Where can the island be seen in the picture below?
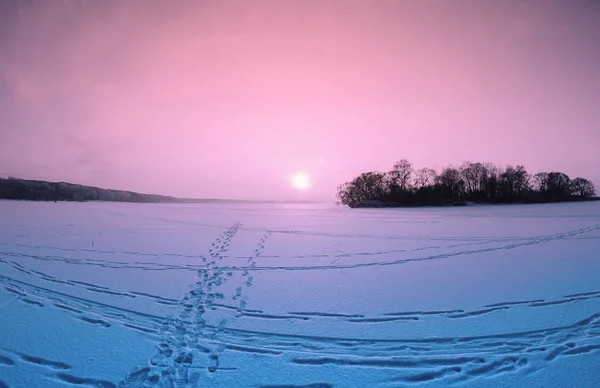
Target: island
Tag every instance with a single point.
(469, 183)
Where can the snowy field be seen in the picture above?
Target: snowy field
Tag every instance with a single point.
(313, 296)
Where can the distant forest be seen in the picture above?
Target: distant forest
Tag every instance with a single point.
(472, 182)
(33, 190)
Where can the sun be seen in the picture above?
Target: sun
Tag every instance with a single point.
(300, 181)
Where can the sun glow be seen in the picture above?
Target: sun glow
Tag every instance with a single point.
(300, 181)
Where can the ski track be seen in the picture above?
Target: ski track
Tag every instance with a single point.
(190, 345)
(149, 266)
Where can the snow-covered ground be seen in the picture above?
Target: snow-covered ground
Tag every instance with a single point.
(132, 295)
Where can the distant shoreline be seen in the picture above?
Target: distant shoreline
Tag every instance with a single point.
(376, 204)
(17, 189)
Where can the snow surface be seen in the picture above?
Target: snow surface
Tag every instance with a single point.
(314, 296)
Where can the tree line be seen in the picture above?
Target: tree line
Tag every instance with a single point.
(34, 190)
(479, 182)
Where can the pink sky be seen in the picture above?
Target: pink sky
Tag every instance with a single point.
(228, 98)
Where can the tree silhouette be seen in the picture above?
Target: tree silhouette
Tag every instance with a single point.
(424, 177)
(581, 187)
(400, 175)
(541, 182)
(476, 182)
(450, 182)
(559, 185)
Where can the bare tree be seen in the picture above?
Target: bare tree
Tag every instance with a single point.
(581, 187)
(514, 181)
(491, 181)
(450, 182)
(522, 180)
(400, 174)
(424, 177)
(475, 177)
(366, 187)
(541, 182)
(559, 185)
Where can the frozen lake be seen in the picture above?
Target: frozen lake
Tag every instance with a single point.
(313, 296)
